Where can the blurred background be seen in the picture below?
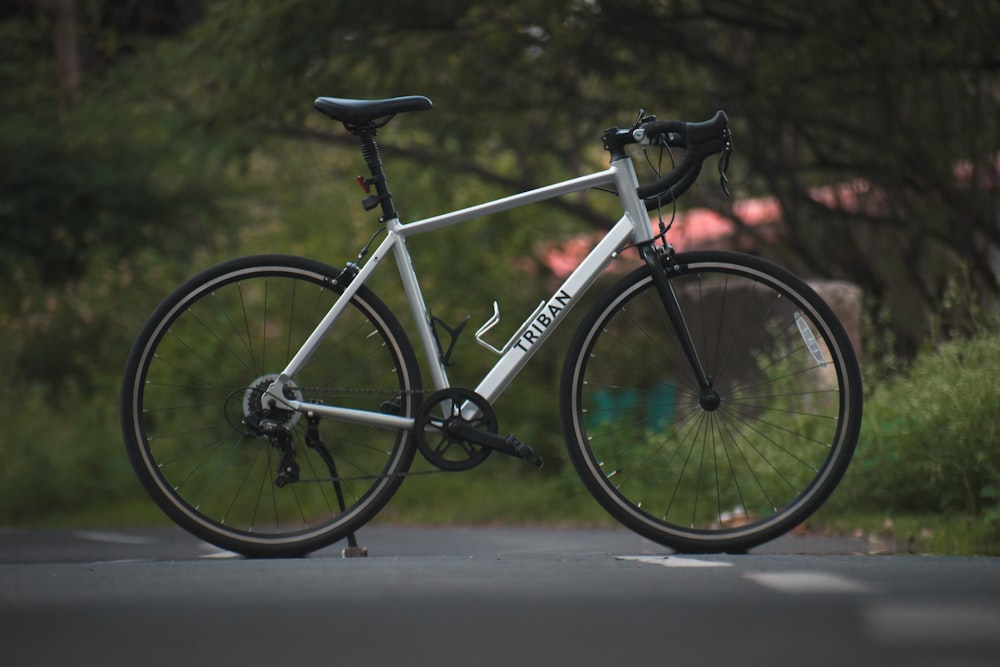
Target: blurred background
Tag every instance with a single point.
(143, 141)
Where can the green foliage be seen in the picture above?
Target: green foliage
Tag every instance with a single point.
(194, 140)
(63, 203)
(501, 490)
(931, 440)
(62, 455)
(23, 70)
(75, 185)
(63, 354)
(826, 93)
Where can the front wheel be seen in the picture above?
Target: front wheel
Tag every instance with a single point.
(727, 469)
(267, 482)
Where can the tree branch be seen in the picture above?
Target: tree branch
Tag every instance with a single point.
(585, 213)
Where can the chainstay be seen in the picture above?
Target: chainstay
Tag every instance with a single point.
(371, 392)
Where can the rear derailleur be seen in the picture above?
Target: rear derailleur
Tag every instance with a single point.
(281, 439)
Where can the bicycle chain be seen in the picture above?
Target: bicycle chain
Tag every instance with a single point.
(358, 478)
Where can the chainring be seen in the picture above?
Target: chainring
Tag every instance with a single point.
(437, 414)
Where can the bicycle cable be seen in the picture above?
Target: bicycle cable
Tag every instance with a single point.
(368, 246)
(664, 228)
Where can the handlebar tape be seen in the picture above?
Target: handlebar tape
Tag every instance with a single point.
(700, 141)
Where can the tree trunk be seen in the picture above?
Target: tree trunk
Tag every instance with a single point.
(67, 51)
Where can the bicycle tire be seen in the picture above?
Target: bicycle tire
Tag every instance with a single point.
(200, 365)
(726, 477)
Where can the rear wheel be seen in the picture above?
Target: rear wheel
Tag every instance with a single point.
(266, 482)
(733, 467)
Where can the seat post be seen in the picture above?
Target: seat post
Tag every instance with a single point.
(373, 158)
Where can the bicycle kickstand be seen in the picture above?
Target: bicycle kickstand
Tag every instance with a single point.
(352, 550)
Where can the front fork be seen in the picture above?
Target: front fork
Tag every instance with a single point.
(653, 260)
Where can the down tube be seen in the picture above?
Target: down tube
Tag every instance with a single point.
(555, 309)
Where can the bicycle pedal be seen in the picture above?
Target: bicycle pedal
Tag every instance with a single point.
(354, 552)
(509, 444)
(524, 451)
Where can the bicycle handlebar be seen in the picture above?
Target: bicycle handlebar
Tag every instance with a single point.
(700, 140)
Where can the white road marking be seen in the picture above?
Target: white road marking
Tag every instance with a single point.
(783, 582)
(675, 561)
(807, 582)
(220, 554)
(112, 538)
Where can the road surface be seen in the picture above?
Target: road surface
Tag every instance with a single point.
(488, 596)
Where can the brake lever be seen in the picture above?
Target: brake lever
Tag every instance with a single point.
(724, 157)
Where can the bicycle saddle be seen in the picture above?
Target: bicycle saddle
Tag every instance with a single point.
(360, 112)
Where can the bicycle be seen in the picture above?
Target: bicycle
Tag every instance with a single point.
(709, 400)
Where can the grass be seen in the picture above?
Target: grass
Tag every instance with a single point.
(507, 492)
(921, 534)
(506, 497)
(925, 477)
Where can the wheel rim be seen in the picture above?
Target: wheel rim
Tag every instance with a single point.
(200, 371)
(740, 462)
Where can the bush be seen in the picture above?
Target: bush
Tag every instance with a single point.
(63, 354)
(63, 456)
(931, 442)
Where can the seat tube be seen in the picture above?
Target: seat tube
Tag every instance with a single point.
(418, 308)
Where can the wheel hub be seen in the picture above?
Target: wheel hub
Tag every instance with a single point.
(710, 400)
(254, 413)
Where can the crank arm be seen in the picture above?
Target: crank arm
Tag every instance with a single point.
(508, 444)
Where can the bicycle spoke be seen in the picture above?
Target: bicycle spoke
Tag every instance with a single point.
(720, 474)
(215, 457)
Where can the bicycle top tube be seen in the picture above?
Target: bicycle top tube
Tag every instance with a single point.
(619, 174)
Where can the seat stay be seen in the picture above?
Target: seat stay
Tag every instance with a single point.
(275, 393)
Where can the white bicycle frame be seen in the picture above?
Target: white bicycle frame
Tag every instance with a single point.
(634, 226)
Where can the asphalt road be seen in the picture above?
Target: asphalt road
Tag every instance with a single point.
(488, 596)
